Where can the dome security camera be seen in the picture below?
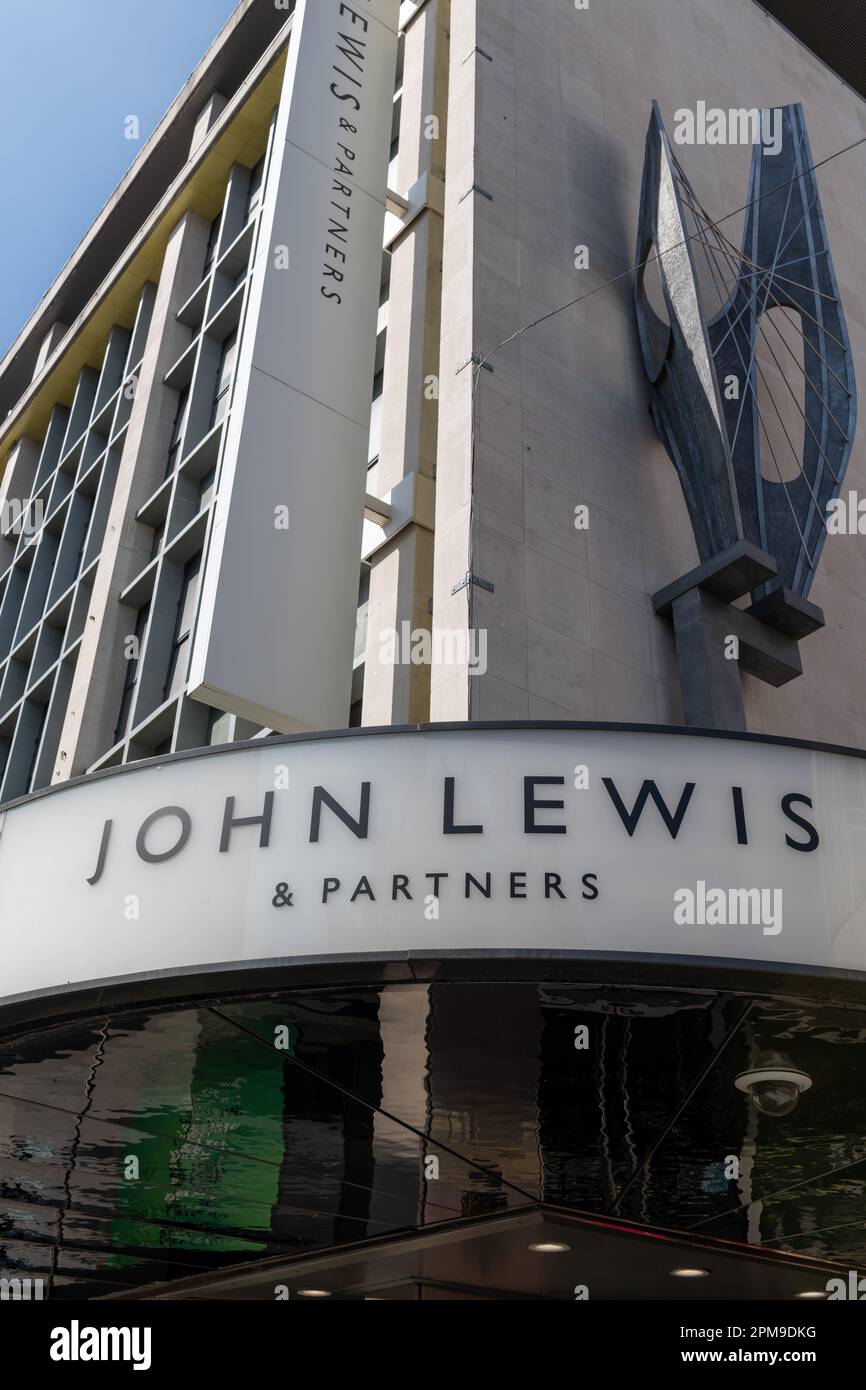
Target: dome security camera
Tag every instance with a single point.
(773, 1084)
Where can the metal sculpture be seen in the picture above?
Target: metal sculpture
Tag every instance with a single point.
(755, 534)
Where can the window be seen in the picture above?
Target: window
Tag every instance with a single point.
(85, 527)
(393, 162)
(158, 533)
(362, 615)
(385, 282)
(186, 606)
(225, 373)
(132, 667)
(401, 62)
(212, 240)
(376, 417)
(254, 197)
(219, 727)
(177, 431)
(206, 489)
(40, 726)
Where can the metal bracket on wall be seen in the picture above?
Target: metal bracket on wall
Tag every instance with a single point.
(476, 188)
(474, 360)
(473, 579)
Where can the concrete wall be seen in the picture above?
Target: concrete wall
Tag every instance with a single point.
(401, 576)
(546, 126)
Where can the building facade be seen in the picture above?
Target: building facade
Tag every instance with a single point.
(341, 437)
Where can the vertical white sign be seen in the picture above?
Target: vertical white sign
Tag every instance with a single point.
(274, 634)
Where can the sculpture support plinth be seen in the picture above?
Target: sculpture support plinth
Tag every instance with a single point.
(702, 608)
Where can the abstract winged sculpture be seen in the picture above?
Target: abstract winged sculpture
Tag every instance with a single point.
(757, 509)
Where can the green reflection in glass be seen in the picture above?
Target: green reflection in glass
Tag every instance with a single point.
(217, 1103)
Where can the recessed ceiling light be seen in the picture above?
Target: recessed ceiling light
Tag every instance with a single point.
(314, 1293)
(812, 1293)
(687, 1272)
(549, 1247)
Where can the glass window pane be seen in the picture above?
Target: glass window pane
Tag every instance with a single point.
(178, 668)
(131, 679)
(177, 429)
(212, 244)
(189, 598)
(254, 196)
(206, 489)
(224, 377)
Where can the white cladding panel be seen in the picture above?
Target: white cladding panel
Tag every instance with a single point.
(274, 636)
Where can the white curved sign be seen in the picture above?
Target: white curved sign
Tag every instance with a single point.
(505, 839)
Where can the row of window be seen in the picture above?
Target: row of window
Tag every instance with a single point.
(179, 653)
(178, 662)
(219, 404)
(254, 198)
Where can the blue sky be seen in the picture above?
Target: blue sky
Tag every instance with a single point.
(73, 70)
